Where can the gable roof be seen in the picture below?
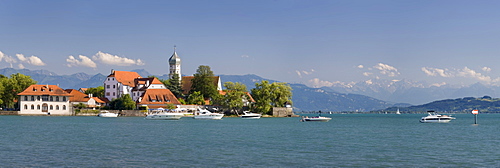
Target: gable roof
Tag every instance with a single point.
(158, 97)
(51, 90)
(187, 83)
(77, 96)
(125, 77)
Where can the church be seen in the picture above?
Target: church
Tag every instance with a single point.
(149, 92)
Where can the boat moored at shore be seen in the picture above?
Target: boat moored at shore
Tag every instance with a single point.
(250, 115)
(106, 113)
(203, 114)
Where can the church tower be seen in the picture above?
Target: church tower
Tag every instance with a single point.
(175, 65)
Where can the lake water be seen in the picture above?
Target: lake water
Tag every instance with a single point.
(348, 140)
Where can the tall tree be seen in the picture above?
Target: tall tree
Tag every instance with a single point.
(268, 95)
(174, 85)
(3, 80)
(195, 98)
(203, 82)
(96, 92)
(13, 86)
(235, 94)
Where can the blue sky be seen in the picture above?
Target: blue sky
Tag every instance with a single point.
(317, 43)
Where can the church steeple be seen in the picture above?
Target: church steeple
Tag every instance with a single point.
(175, 65)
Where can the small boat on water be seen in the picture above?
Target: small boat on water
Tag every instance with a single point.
(315, 118)
(436, 118)
(397, 112)
(250, 115)
(203, 114)
(106, 113)
(164, 116)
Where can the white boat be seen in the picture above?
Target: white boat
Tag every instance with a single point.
(315, 118)
(107, 114)
(164, 116)
(397, 112)
(250, 115)
(203, 114)
(436, 118)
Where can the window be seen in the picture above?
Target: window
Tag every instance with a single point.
(113, 93)
(64, 98)
(57, 98)
(64, 107)
(51, 98)
(38, 107)
(44, 107)
(25, 107)
(114, 86)
(25, 98)
(32, 107)
(51, 107)
(32, 98)
(107, 93)
(107, 86)
(38, 98)
(45, 97)
(57, 107)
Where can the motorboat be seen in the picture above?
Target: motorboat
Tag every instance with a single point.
(250, 115)
(107, 114)
(436, 118)
(315, 118)
(203, 114)
(164, 116)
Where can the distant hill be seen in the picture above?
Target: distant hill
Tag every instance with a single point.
(484, 104)
(74, 81)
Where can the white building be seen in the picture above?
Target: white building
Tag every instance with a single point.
(119, 83)
(44, 100)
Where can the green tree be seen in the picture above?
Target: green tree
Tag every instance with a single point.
(268, 95)
(80, 106)
(203, 82)
(96, 92)
(174, 85)
(196, 98)
(235, 94)
(3, 80)
(124, 102)
(13, 86)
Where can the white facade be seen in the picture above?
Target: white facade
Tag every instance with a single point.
(44, 105)
(175, 65)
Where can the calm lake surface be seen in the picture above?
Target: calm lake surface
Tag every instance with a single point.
(348, 140)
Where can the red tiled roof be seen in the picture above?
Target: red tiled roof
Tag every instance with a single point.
(158, 97)
(77, 96)
(125, 77)
(51, 90)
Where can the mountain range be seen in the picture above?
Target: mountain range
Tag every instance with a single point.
(362, 96)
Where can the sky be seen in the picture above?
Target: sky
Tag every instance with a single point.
(312, 42)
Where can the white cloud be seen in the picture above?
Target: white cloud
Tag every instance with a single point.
(245, 56)
(317, 83)
(360, 66)
(1, 56)
(298, 73)
(367, 73)
(437, 72)
(486, 69)
(33, 60)
(387, 69)
(466, 72)
(21, 66)
(84, 61)
(115, 60)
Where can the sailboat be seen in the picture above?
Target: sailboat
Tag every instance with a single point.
(397, 112)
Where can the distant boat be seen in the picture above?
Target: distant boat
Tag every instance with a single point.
(397, 112)
(436, 118)
(316, 118)
(164, 116)
(250, 115)
(207, 115)
(106, 113)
